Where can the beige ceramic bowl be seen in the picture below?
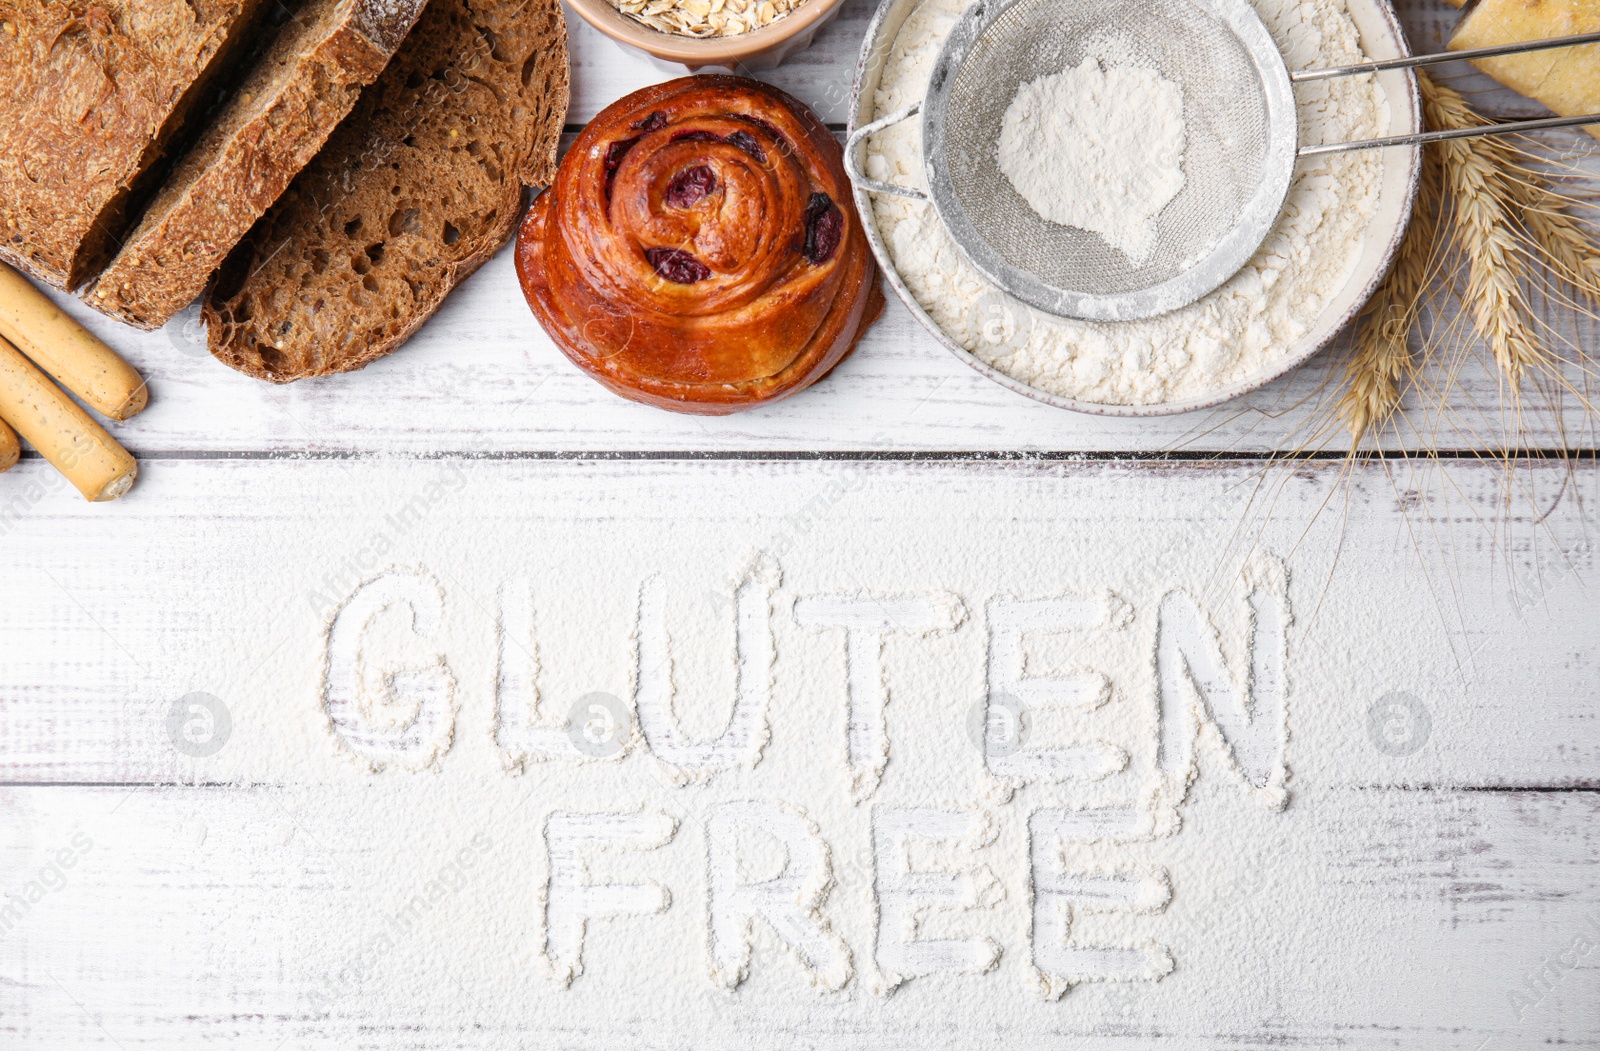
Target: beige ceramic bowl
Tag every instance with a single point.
(747, 52)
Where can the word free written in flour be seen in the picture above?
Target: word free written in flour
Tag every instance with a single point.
(824, 782)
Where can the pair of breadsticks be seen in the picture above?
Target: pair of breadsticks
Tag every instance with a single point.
(32, 327)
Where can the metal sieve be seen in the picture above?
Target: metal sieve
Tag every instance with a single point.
(1242, 139)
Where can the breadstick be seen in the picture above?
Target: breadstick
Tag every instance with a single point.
(10, 448)
(67, 350)
(62, 432)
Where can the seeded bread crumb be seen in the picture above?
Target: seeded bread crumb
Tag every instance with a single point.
(91, 96)
(419, 186)
(273, 126)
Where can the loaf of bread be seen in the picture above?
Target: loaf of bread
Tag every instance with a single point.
(700, 250)
(419, 186)
(271, 127)
(1565, 79)
(92, 94)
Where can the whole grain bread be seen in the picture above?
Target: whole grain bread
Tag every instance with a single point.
(92, 94)
(419, 186)
(271, 127)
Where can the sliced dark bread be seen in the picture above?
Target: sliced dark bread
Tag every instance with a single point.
(419, 186)
(92, 94)
(273, 125)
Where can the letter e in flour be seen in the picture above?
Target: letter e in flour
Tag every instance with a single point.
(1058, 893)
(906, 895)
(1013, 694)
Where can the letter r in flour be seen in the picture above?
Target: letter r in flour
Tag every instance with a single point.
(790, 902)
(571, 900)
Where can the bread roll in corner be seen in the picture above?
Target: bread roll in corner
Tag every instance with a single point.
(1565, 79)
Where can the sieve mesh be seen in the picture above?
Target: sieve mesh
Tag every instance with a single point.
(1228, 160)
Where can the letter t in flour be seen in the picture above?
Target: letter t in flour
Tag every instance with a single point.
(866, 621)
(571, 900)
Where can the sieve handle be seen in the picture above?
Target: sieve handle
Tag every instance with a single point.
(1504, 128)
(1468, 54)
(852, 155)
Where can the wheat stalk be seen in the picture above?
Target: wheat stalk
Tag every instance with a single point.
(1567, 246)
(1382, 354)
(1486, 213)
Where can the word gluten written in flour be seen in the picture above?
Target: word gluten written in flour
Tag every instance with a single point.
(405, 717)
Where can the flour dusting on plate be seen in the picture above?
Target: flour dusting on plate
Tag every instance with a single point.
(1246, 328)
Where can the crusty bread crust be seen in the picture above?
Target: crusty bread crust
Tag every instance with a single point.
(419, 186)
(273, 126)
(93, 93)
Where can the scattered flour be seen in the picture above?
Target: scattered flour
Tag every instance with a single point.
(1099, 149)
(732, 756)
(1248, 326)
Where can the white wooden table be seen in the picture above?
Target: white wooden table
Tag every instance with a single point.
(1429, 885)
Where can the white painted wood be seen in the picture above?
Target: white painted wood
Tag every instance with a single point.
(1399, 900)
(482, 377)
(197, 919)
(213, 573)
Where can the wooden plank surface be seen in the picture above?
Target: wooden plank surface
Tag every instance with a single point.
(1427, 885)
(1420, 871)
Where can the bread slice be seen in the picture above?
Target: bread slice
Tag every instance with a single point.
(1565, 79)
(272, 126)
(416, 189)
(92, 94)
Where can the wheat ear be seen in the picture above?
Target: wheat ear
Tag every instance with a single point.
(1484, 214)
(1382, 354)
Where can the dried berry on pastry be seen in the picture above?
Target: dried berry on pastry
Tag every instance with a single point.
(699, 250)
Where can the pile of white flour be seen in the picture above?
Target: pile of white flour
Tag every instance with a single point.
(1246, 327)
(1098, 148)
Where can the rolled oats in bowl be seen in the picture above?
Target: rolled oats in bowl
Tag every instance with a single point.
(706, 18)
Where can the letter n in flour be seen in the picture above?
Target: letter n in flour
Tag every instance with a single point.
(1194, 686)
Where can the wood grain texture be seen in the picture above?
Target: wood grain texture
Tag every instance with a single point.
(1406, 898)
(227, 565)
(1401, 900)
